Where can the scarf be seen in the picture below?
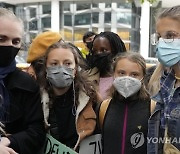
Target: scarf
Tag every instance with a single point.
(4, 95)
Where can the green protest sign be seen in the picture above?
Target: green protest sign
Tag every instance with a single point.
(52, 146)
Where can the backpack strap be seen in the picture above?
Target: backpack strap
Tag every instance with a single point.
(102, 111)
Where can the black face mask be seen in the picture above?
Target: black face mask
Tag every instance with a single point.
(7, 55)
(89, 45)
(102, 62)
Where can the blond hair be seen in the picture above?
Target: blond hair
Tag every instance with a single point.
(172, 12)
(154, 82)
(10, 15)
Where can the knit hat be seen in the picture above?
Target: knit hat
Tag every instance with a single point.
(41, 43)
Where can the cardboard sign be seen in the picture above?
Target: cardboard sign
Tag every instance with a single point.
(91, 145)
(52, 146)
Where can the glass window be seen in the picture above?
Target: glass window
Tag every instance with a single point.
(83, 6)
(83, 19)
(107, 17)
(124, 18)
(108, 5)
(33, 25)
(94, 5)
(66, 6)
(135, 21)
(47, 8)
(124, 5)
(67, 20)
(46, 22)
(95, 17)
(32, 12)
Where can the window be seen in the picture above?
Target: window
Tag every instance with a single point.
(67, 20)
(94, 5)
(46, 22)
(95, 17)
(108, 5)
(83, 6)
(33, 25)
(32, 12)
(83, 19)
(107, 17)
(124, 18)
(124, 5)
(46, 8)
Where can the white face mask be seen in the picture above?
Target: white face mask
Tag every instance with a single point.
(127, 86)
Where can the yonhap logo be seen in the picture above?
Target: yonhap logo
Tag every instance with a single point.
(137, 140)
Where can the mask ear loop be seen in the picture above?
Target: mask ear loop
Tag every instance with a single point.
(74, 108)
(141, 79)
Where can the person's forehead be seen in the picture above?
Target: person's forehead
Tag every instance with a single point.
(130, 66)
(61, 54)
(10, 28)
(102, 39)
(167, 24)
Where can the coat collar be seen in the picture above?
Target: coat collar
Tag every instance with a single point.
(83, 100)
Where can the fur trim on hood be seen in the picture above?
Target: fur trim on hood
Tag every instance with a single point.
(83, 100)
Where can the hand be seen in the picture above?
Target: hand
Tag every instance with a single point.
(6, 150)
(5, 141)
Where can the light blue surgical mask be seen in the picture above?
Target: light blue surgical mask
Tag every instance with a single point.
(168, 54)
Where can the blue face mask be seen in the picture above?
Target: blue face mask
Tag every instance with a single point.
(168, 54)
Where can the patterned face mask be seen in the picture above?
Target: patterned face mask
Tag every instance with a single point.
(60, 76)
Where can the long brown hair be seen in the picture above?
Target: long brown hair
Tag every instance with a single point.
(81, 80)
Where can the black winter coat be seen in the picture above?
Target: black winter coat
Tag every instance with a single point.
(25, 121)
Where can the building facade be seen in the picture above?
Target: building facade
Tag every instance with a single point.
(73, 18)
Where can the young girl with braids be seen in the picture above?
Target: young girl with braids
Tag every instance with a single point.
(106, 46)
(124, 116)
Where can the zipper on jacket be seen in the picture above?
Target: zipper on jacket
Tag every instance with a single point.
(124, 130)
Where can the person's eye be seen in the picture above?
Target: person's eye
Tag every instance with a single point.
(120, 73)
(53, 64)
(16, 41)
(67, 63)
(2, 39)
(134, 75)
(170, 35)
(104, 50)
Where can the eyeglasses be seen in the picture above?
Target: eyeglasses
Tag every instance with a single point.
(167, 37)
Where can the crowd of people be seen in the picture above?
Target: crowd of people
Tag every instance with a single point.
(73, 94)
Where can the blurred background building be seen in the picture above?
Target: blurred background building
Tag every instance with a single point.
(133, 21)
